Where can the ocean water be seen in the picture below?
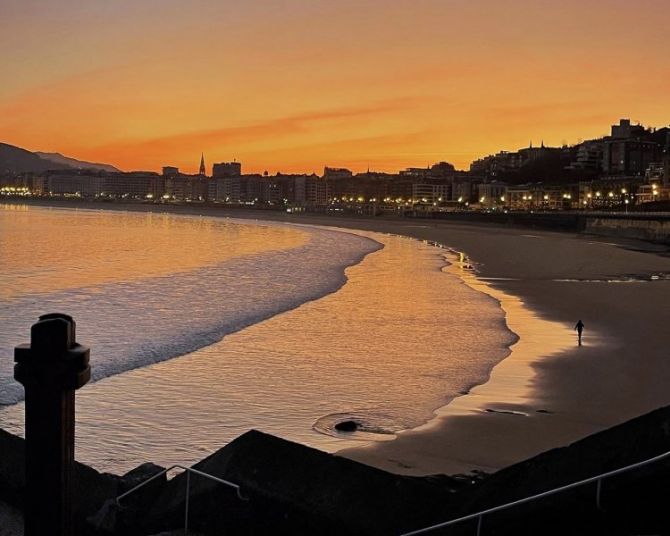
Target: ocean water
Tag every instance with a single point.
(202, 328)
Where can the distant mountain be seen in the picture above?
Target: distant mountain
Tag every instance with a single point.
(72, 162)
(17, 160)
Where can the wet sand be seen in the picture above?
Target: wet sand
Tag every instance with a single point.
(549, 392)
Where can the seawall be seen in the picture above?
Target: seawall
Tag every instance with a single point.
(650, 229)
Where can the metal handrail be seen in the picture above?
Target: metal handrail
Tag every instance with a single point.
(188, 471)
(598, 479)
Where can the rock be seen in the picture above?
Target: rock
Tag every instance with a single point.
(115, 519)
(90, 488)
(294, 489)
(631, 503)
(346, 426)
(11, 520)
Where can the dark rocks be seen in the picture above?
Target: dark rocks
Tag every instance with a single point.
(293, 489)
(631, 503)
(346, 426)
(126, 517)
(140, 474)
(90, 488)
(12, 475)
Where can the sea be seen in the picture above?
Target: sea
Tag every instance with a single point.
(202, 328)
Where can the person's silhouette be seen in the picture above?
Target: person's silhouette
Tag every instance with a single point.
(579, 326)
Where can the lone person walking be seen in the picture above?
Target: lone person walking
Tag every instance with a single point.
(579, 326)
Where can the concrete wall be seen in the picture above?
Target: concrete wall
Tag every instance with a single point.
(652, 230)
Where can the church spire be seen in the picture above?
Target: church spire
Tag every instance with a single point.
(203, 171)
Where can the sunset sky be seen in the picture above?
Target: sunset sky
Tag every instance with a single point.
(296, 85)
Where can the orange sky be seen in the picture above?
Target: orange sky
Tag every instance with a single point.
(284, 85)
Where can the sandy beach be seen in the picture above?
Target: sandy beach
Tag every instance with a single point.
(549, 392)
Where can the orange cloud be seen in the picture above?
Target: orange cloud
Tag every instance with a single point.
(281, 85)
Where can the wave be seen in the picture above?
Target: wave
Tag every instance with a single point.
(133, 324)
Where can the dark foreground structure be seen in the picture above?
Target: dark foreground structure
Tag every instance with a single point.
(50, 368)
(261, 484)
(293, 489)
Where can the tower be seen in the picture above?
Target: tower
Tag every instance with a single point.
(202, 172)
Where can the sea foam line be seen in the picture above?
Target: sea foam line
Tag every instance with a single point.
(196, 309)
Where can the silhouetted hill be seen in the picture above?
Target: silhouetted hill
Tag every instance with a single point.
(16, 160)
(73, 162)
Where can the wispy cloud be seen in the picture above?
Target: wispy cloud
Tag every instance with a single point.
(300, 123)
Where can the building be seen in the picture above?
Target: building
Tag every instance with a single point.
(463, 191)
(491, 194)
(400, 188)
(293, 188)
(133, 185)
(170, 170)
(522, 197)
(629, 157)
(431, 194)
(625, 131)
(608, 193)
(202, 171)
(336, 173)
(74, 183)
(650, 192)
(226, 169)
(226, 189)
(186, 188)
(629, 150)
(415, 173)
(542, 197)
(317, 191)
(589, 157)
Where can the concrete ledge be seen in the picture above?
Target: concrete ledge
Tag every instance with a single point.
(651, 230)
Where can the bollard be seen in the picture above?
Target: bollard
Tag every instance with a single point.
(50, 368)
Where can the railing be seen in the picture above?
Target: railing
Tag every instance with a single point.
(188, 471)
(479, 516)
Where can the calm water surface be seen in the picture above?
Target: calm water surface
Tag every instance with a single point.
(286, 329)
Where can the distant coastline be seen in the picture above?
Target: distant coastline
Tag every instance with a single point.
(647, 226)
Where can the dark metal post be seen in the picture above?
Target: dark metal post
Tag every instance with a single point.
(50, 368)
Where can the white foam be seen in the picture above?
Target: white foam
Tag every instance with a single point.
(136, 323)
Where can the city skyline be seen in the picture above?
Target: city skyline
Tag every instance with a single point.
(295, 86)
